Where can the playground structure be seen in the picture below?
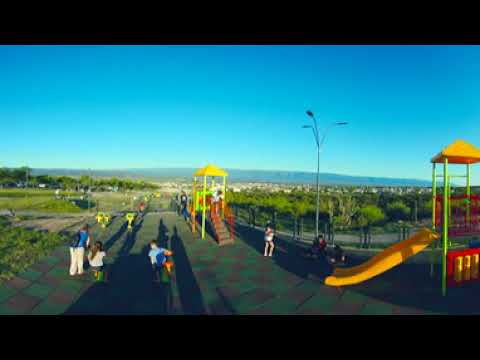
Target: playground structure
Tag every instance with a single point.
(456, 215)
(452, 215)
(202, 202)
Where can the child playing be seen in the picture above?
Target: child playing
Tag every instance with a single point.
(158, 258)
(269, 234)
(95, 259)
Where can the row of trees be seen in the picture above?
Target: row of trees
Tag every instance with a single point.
(12, 177)
(348, 211)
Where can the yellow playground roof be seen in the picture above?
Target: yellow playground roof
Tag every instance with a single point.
(210, 170)
(460, 152)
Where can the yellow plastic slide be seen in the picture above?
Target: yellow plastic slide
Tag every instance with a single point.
(387, 259)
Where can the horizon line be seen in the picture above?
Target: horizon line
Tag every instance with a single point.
(240, 169)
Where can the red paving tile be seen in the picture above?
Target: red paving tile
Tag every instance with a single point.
(342, 308)
(49, 280)
(219, 308)
(61, 297)
(298, 295)
(309, 312)
(18, 283)
(42, 267)
(23, 303)
(230, 292)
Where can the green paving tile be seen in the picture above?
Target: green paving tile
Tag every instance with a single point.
(31, 275)
(350, 297)
(250, 300)
(59, 272)
(320, 303)
(277, 306)
(53, 260)
(8, 310)
(37, 290)
(71, 285)
(377, 309)
(49, 308)
(6, 292)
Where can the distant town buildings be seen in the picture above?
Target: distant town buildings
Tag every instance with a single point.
(184, 185)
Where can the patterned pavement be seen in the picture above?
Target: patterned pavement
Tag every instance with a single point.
(208, 279)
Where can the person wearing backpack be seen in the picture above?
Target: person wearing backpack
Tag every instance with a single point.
(77, 250)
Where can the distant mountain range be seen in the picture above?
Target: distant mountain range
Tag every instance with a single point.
(235, 175)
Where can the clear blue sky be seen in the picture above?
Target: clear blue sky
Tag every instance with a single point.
(237, 106)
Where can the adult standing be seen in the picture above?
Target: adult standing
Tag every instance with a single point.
(184, 204)
(77, 250)
(269, 234)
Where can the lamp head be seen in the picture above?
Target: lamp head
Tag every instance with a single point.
(309, 113)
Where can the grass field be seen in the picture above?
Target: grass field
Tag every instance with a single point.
(21, 193)
(20, 248)
(45, 201)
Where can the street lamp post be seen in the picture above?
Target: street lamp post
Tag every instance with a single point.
(319, 143)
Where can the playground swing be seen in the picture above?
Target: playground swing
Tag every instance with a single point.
(202, 201)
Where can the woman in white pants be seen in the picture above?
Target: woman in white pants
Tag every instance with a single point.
(269, 233)
(77, 251)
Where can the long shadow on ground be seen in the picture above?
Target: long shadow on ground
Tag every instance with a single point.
(130, 289)
(130, 242)
(407, 285)
(189, 291)
(286, 254)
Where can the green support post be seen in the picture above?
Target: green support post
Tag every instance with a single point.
(434, 215)
(224, 191)
(204, 210)
(468, 194)
(445, 226)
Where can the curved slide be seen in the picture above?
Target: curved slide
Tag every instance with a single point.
(387, 259)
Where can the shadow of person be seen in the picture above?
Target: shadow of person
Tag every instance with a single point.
(287, 255)
(189, 291)
(131, 237)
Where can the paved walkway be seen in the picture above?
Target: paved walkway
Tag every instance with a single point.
(208, 279)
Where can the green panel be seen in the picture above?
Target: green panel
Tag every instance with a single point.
(377, 309)
(48, 308)
(39, 291)
(6, 292)
(8, 310)
(319, 303)
(31, 275)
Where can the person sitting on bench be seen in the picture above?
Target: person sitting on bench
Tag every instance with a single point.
(339, 256)
(317, 248)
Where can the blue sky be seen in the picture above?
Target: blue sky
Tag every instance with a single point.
(237, 106)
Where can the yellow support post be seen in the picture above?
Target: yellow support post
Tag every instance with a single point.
(458, 269)
(474, 269)
(466, 267)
